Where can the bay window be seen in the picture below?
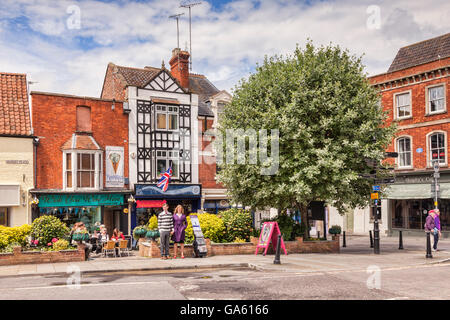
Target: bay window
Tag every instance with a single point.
(83, 170)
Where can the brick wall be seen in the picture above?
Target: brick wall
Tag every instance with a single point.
(420, 124)
(152, 249)
(54, 121)
(36, 257)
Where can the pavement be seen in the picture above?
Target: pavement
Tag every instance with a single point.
(357, 256)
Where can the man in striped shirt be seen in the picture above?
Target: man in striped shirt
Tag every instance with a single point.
(165, 227)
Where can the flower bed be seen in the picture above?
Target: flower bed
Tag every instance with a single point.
(38, 256)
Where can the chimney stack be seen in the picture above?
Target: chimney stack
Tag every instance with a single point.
(179, 66)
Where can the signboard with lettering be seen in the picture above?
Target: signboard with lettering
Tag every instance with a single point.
(174, 190)
(200, 249)
(80, 200)
(269, 233)
(114, 167)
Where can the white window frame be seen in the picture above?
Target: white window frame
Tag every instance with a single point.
(429, 156)
(169, 156)
(427, 98)
(98, 173)
(167, 112)
(397, 149)
(397, 117)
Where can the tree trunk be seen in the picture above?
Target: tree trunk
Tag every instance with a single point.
(304, 219)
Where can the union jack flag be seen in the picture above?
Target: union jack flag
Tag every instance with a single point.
(163, 183)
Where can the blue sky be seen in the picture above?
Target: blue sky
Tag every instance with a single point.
(65, 45)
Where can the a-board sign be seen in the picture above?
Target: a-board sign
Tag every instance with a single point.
(196, 226)
(269, 233)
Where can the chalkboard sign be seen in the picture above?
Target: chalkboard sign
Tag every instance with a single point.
(269, 233)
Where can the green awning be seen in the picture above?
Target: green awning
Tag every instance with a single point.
(415, 191)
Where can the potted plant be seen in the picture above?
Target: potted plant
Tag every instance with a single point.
(139, 232)
(80, 235)
(334, 230)
(152, 234)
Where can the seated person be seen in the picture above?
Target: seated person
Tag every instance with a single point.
(103, 237)
(117, 235)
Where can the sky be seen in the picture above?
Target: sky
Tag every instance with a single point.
(65, 46)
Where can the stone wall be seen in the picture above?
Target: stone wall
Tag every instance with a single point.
(149, 248)
(33, 257)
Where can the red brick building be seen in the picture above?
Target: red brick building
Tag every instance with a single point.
(81, 159)
(415, 92)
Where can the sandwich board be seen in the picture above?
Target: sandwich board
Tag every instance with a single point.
(200, 250)
(269, 233)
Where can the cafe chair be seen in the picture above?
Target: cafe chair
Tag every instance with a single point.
(123, 246)
(109, 247)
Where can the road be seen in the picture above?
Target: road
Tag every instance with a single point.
(397, 283)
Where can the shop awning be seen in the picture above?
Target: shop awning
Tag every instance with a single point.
(150, 203)
(415, 191)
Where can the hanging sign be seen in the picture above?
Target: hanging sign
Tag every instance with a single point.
(269, 233)
(114, 167)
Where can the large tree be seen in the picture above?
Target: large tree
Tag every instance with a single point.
(329, 120)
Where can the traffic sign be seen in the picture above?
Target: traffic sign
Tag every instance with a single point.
(436, 175)
(376, 188)
(374, 195)
(436, 166)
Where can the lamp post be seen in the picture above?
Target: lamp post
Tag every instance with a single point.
(131, 201)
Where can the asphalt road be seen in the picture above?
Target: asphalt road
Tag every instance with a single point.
(418, 282)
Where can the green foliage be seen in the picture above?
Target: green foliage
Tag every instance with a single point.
(335, 229)
(61, 244)
(288, 227)
(238, 224)
(212, 226)
(239, 240)
(153, 223)
(139, 232)
(45, 228)
(14, 235)
(327, 114)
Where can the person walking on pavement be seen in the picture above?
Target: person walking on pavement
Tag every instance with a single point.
(165, 227)
(430, 225)
(180, 225)
(437, 233)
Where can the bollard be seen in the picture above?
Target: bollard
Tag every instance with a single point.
(277, 252)
(428, 246)
(343, 240)
(371, 239)
(400, 240)
(318, 235)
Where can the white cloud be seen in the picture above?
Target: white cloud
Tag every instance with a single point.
(226, 44)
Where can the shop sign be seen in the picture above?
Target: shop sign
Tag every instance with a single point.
(192, 191)
(114, 167)
(79, 200)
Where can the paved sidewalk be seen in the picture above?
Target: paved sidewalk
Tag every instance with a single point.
(357, 256)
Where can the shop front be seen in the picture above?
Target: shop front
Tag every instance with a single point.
(410, 200)
(150, 198)
(90, 208)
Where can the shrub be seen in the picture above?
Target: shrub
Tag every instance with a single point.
(153, 223)
(212, 226)
(239, 240)
(238, 224)
(18, 235)
(335, 229)
(45, 228)
(61, 244)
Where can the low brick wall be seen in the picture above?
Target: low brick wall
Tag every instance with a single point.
(150, 248)
(32, 257)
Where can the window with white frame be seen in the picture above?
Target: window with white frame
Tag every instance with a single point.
(436, 99)
(403, 105)
(437, 145)
(166, 159)
(404, 152)
(166, 117)
(83, 170)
